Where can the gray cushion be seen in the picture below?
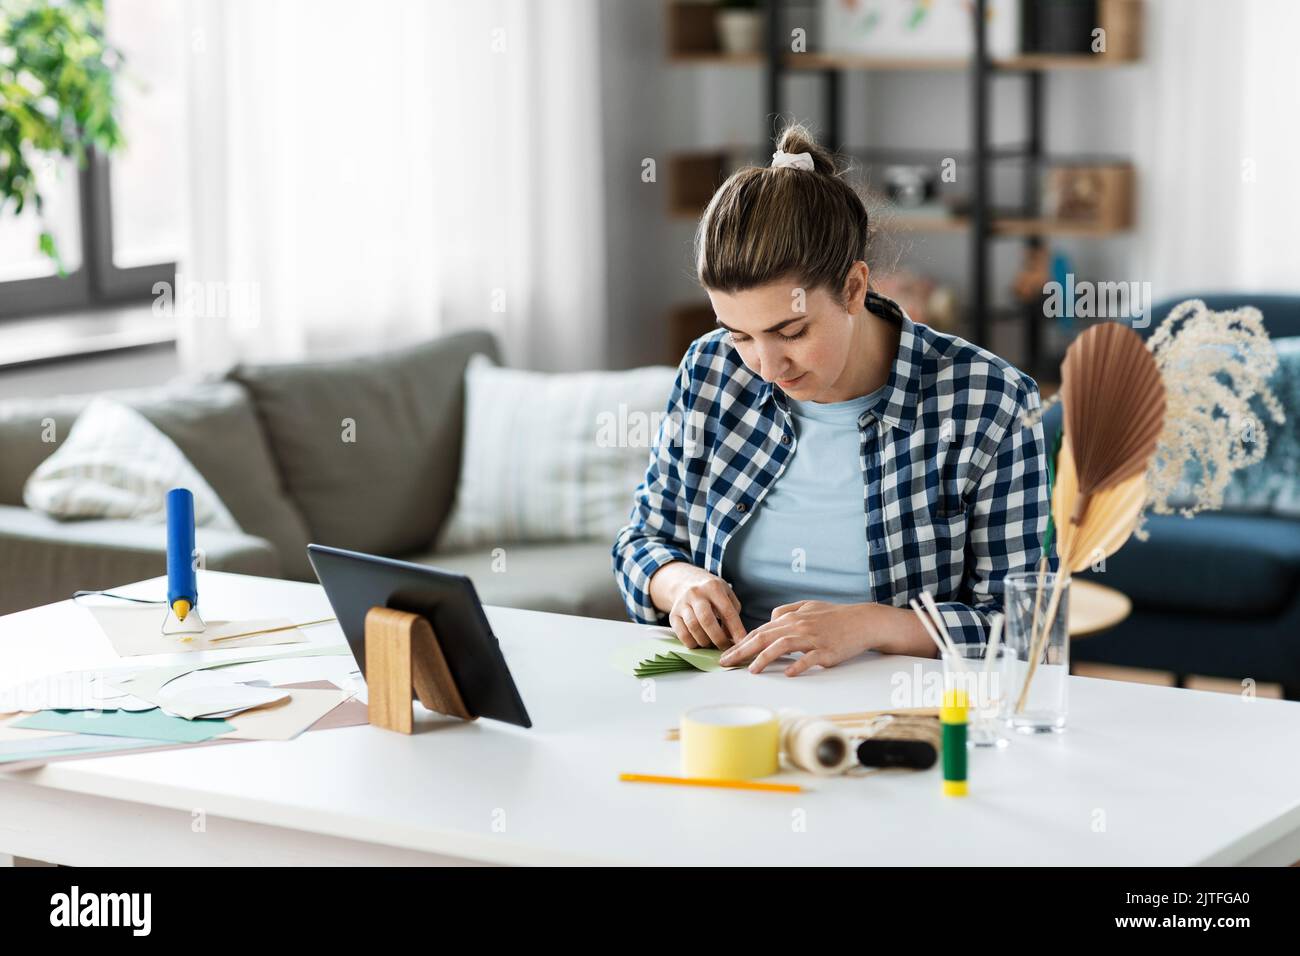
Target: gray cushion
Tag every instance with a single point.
(216, 428)
(388, 491)
(569, 578)
(44, 560)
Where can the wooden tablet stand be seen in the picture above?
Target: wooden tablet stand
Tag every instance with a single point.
(403, 654)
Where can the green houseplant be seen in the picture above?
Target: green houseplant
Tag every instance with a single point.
(57, 96)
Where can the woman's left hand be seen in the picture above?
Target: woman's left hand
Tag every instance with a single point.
(826, 633)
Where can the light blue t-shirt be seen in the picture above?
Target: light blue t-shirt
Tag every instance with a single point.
(811, 519)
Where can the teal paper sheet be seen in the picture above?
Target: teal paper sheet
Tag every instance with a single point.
(147, 724)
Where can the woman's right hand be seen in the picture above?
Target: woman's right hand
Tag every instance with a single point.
(703, 610)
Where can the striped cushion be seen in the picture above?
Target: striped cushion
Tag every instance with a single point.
(116, 464)
(552, 457)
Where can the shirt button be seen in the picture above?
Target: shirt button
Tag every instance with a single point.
(785, 439)
(742, 507)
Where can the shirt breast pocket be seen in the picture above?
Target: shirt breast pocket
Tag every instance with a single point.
(946, 486)
(947, 507)
(938, 551)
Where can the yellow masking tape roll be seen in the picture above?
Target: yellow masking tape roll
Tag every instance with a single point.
(730, 741)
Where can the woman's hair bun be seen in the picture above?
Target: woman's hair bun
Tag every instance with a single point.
(797, 139)
(766, 224)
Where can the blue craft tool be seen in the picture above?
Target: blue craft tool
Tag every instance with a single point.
(182, 580)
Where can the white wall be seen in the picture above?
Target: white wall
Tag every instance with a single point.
(646, 114)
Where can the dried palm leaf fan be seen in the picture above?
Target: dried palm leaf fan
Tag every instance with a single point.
(1111, 516)
(1114, 411)
(1114, 404)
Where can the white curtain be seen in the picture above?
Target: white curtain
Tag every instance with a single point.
(1218, 139)
(373, 173)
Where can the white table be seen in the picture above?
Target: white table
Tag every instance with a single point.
(1145, 775)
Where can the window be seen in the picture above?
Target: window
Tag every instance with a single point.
(118, 223)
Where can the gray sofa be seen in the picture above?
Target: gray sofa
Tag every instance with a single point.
(273, 441)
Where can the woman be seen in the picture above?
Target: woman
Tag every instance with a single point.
(824, 459)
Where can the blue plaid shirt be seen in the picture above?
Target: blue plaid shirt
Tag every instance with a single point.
(954, 488)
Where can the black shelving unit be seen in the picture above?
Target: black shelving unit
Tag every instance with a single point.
(981, 155)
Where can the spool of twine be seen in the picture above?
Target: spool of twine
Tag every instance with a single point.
(816, 745)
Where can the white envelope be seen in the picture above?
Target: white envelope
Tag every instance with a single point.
(213, 699)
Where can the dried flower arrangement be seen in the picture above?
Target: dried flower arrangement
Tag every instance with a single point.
(1213, 366)
(1114, 404)
(1210, 365)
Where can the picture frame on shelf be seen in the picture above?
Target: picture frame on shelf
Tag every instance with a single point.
(916, 28)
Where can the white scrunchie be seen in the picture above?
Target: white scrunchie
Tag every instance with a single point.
(796, 160)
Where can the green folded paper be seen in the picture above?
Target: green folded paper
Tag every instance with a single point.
(665, 656)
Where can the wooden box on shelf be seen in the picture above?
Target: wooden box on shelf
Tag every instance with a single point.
(686, 323)
(1068, 39)
(1122, 21)
(692, 180)
(1099, 196)
(692, 30)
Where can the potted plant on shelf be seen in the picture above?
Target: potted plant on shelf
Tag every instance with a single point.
(740, 26)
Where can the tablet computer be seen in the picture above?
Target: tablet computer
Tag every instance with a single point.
(355, 582)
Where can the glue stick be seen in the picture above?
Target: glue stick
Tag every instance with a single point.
(953, 717)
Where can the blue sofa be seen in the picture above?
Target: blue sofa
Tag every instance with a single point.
(1218, 594)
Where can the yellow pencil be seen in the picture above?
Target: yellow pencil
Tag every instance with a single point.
(707, 782)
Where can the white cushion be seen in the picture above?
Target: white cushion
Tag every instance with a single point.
(552, 457)
(116, 464)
